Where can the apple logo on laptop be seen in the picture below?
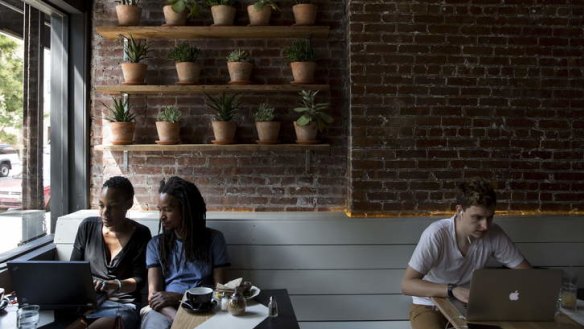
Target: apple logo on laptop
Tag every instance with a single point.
(514, 296)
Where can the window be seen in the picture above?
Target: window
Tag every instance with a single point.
(40, 82)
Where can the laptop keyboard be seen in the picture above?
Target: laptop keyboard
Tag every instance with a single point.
(460, 306)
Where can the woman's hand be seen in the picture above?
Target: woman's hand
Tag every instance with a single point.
(161, 299)
(105, 286)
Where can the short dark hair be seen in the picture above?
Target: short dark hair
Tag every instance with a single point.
(120, 183)
(476, 192)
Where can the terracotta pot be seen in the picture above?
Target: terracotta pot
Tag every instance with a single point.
(305, 134)
(173, 18)
(239, 72)
(122, 132)
(134, 73)
(128, 15)
(168, 132)
(303, 72)
(224, 132)
(304, 14)
(188, 72)
(268, 131)
(223, 15)
(259, 17)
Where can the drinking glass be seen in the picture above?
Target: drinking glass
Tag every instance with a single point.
(568, 293)
(27, 317)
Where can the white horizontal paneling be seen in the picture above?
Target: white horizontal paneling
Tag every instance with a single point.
(356, 325)
(553, 254)
(320, 257)
(351, 307)
(325, 282)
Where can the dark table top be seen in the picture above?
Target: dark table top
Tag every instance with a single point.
(286, 318)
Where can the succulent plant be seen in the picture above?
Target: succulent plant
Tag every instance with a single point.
(184, 53)
(264, 112)
(224, 105)
(238, 55)
(300, 51)
(312, 112)
(119, 111)
(169, 113)
(136, 51)
(260, 4)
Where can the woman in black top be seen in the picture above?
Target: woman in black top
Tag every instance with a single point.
(115, 247)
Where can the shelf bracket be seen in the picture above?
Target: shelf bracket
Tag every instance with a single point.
(307, 161)
(125, 160)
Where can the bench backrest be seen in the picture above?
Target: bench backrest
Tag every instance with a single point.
(346, 269)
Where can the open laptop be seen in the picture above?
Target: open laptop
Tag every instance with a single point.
(54, 285)
(513, 295)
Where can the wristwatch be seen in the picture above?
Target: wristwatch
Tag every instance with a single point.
(451, 287)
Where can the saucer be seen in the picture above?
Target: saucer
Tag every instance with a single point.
(206, 308)
(308, 142)
(167, 142)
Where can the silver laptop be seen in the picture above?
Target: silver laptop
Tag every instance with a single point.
(513, 295)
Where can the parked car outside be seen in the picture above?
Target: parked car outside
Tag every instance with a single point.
(8, 159)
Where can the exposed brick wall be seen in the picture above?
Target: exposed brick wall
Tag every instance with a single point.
(446, 90)
(276, 180)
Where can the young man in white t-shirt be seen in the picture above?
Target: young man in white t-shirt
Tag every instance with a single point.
(450, 250)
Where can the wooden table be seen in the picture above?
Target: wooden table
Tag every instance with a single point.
(286, 318)
(459, 322)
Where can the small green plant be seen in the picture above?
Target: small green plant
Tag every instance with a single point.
(184, 53)
(136, 51)
(264, 112)
(191, 6)
(238, 55)
(224, 105)
(312, 112)
(260, 4)
(119, 111)
(219, 2)
(129, 2)
(300, 51)
(169, 113)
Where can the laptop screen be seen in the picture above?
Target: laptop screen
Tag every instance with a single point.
(53, 284)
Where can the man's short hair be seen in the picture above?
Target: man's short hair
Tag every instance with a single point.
(476, 192)
(120, 183)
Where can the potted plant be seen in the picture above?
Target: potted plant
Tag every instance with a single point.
(121, 121)
(128, 13)
(223, 11)
(176, 12)
(260, 11)
(267, 128)
(225, 107)
(301, 57)
(168, 125)
(313, 118)
(185, 57)
(304, 12)
(239, 67)
(133, 71)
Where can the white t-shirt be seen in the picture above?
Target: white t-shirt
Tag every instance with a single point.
(437, 255)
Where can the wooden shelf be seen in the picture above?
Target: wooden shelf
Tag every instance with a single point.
(220, 32)
(200, 89)
(212, 147)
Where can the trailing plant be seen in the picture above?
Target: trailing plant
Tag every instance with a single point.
(312, 112)
(136, 51)
(238, 55)
(211, 3)
(184, 53)
(264, 112)
(300, 51)
(169, 113)
(129, 2)
(260, 4)
(191, 6)
(119, 111)
(224, 105)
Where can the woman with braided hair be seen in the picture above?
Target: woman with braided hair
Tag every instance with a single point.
(185, 254)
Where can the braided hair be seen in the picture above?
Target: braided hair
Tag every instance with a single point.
(193, 211)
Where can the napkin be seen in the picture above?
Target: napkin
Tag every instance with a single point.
(577, 315)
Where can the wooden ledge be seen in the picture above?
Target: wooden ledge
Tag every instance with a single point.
(200, 89)
(211, 147)
(218, 32)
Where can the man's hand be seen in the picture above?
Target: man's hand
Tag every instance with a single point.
(161, 299)
(461, 294)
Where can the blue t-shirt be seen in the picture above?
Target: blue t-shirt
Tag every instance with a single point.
(181, 274)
